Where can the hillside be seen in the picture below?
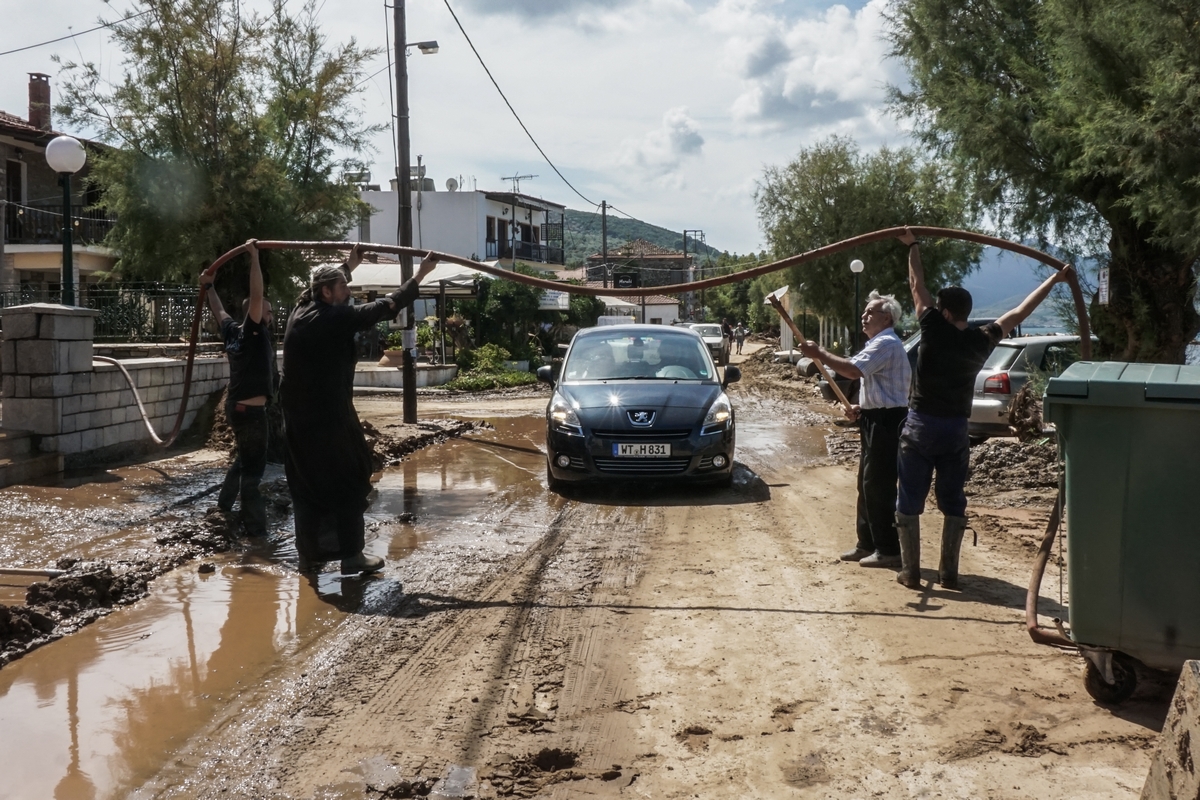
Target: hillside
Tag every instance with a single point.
(1003, 280)
(582, 235)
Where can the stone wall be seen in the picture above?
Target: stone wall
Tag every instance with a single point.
(85, 410)
(1175, 770)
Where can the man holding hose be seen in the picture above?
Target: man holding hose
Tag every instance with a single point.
(251, 353)
(328, 460)
(934, 437)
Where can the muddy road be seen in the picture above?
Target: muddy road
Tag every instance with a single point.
(631, 642)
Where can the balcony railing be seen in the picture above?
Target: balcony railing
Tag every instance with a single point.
(529, 251)
(41, 223)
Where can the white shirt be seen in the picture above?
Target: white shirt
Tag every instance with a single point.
(887, 375)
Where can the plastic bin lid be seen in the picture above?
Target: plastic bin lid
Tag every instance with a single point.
(1124, 384)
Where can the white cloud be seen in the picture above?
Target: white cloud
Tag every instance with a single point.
(747, 82)
(818, 72)
(661, 151)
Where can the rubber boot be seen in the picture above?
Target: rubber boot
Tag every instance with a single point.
(952, 536)
(909, 529)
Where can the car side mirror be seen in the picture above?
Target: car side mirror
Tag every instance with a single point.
(546, 374)
(732, 375)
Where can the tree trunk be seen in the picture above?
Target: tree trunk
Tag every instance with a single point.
(1151, 313)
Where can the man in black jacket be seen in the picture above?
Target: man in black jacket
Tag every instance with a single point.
(251, 353)
(328, 460)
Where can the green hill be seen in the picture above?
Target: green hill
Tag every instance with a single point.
(582, 235)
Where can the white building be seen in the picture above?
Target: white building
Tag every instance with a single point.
(485, 226)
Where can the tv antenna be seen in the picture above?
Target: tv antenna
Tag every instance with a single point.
(516, 181)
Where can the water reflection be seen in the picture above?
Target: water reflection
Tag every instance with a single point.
(99, 712)
(102, 711)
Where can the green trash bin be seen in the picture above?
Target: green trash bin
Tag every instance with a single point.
(1130, 437)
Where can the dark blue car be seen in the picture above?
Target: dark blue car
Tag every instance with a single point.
(638, 402)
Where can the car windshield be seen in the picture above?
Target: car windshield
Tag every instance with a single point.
(618, 356)
(707, 330)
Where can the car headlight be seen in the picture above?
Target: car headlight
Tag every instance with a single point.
(719, 415)
(563, 417)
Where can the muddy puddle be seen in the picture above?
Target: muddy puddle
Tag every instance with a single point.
(98, 713)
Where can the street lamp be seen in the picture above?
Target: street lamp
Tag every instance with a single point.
(404, 201)
(856, 267)
(66, 156)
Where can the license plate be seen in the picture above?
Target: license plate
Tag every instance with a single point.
(641, 450)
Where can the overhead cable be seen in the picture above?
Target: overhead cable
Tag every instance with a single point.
(73, 35)
(513, 110)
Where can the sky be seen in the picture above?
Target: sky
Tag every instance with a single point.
(670, 110)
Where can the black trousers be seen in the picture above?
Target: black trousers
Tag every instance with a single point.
(877, 472)
(251, 432)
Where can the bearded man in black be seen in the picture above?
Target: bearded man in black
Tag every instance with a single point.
(328, 460)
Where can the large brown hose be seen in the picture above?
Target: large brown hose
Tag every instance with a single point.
(753, 272)
(1036, 632)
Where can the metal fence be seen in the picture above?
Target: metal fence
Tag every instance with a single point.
(129, 312)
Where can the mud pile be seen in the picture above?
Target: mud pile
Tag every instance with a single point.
(390, 445)
(844, 446)
(92, 589)
(65, 603)
(761, 364)
(1000, 465)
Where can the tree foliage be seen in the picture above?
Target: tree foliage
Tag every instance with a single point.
(1075, 120)
(831, 192)
(225, 126)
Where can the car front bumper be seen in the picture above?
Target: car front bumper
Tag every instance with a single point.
(592, 457)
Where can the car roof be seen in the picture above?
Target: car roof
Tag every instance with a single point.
(1045, 338)
(638, 330)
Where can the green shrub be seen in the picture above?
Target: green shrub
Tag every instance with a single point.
(482, 381)
(486, 358)
(425, 336)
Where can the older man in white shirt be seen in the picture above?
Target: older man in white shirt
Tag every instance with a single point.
(886, 375)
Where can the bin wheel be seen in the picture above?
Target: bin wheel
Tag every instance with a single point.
(1124, 675)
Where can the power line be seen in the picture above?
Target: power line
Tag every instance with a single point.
(513, 110)
(73, 35)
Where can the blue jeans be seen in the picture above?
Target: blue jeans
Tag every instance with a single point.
(928, 444)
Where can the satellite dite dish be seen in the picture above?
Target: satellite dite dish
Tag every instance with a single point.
(451, 185)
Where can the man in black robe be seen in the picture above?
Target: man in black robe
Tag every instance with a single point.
(328, 460)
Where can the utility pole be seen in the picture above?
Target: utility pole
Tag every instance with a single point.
(699, 239)
(604, 240)
(404, 223)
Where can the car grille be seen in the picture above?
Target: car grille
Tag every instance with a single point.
(640, 466)
(644, 435)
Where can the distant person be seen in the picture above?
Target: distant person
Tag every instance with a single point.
(328, 460)
(934, 437)
(886, 375)
(739, 336)
(251, 353)
(727, 329)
